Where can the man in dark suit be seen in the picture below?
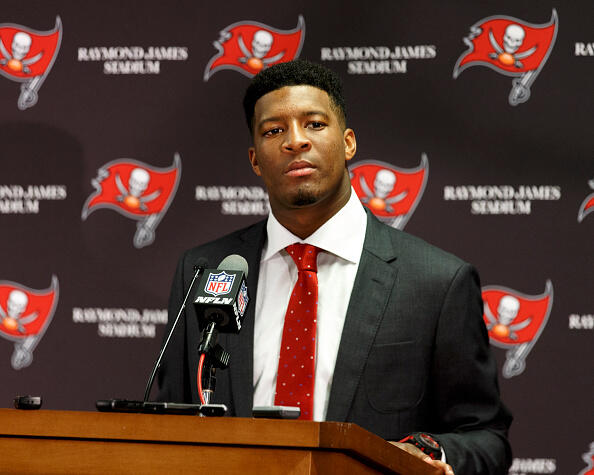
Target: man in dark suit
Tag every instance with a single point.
(411, 355)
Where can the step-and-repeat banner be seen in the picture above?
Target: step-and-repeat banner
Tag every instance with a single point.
(123, 143)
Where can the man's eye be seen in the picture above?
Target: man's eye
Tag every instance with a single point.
(316, 125)
(271, 132)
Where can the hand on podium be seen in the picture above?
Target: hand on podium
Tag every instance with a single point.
(411, 449)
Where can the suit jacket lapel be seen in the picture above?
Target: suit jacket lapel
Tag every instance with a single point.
(242, 347)
(371, 291)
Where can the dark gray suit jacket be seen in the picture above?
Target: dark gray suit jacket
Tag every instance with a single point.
(414, 354)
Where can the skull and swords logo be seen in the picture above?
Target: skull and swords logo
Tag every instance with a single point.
(512, 40)
(12, 318)
(136, 190)
(383, 185)
(507, 311)
(249, 46)
(390, 193)
(25, 315)
(515, 322)
(261, 45)
(137, 184)
(27, 56)
(511, 47)
(21, 44)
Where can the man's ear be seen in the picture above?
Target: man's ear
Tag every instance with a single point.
(350, 143)
(254, 160)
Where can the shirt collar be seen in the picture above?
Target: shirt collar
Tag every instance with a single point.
(343, 234)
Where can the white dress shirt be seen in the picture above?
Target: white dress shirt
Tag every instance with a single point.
(341, 240)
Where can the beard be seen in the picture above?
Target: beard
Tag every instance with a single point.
(304, 197)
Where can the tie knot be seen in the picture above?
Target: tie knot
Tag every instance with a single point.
(305, 256)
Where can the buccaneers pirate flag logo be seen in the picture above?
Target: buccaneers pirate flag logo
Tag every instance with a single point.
(249, 47)
(24, 316)
(515, 321)
(27, 56)
(136, 190)
(391, 193)
(511, 47)
(587, 205)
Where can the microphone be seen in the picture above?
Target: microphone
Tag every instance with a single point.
(222, 295)
(220, 303)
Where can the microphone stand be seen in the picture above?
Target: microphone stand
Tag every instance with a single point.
(197, 270)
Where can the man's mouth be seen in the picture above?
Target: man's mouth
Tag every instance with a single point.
(300, 168)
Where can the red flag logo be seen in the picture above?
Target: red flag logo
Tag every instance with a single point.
(136, 190)
(515, 322)
(512, 47)
(24, 317)
(391, 193)
(249, 46)
(587, 205)
(27, 56)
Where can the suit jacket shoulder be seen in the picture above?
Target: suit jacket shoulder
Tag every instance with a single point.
(237, 242)
(389, 242)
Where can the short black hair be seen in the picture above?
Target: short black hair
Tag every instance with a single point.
(294, 73)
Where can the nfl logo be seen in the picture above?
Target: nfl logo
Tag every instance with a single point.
(219, 284)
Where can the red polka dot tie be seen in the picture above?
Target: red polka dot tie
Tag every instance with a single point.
(297, 361)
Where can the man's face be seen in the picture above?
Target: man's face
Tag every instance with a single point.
(300, 149)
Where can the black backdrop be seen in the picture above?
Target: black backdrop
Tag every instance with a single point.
(503, 184)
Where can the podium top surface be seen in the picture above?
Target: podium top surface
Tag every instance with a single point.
(172, 429)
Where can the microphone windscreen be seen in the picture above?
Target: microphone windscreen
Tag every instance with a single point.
(234, 262)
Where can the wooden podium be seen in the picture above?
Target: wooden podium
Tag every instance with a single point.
(52, 442)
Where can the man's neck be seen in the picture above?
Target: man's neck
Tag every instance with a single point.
(304, 221)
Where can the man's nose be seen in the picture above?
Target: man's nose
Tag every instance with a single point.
(296, 140)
